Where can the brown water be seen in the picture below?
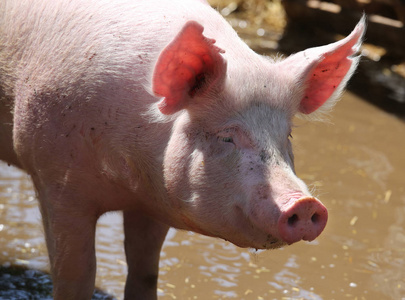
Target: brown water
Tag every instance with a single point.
(355, 164)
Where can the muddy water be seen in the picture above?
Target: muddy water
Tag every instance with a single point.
(355, 164)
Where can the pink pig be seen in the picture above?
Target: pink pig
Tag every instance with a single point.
(157, 108)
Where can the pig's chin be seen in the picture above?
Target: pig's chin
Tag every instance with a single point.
(240, 232)
(257, 240)
(250, 236)
(258, 245)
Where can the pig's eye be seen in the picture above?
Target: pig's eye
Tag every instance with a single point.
(290, 136)
(227, 139)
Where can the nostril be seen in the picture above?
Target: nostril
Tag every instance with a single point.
(315, 218)
(293, 220)
(304, 219)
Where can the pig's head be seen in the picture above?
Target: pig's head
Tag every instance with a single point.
(228, 167)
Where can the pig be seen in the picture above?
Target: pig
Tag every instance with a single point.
(157, 109)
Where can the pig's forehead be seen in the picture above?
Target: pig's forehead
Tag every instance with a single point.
(263, 123)
(261, 83)
(265, 117)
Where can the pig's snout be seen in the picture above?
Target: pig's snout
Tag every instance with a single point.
(304, 219)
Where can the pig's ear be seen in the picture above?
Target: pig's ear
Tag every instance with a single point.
(187, 66)
(324, 71)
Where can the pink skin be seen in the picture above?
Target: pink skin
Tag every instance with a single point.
(164, 114)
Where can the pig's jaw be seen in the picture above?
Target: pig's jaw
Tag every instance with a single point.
(257, 239)
(235, 225)
(239, 236)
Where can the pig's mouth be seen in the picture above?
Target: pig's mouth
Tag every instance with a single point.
(243, 232)
(256, 237)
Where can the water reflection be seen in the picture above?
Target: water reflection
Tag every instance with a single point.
(21, 238)
(355, 165)
(389, 262)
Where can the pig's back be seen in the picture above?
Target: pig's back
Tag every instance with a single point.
(76, 46)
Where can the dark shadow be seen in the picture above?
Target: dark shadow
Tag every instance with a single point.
(20, 283)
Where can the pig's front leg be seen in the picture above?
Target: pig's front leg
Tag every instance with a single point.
(144, 237)
(70, 238)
